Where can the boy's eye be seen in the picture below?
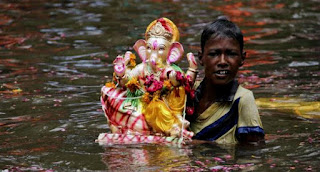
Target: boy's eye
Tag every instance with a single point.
(213, 54)
(232, 53)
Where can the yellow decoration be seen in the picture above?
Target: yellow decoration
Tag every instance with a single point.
(176, 101)
(132, 60)
(156, 95)
(175, 32)
(296, 106)
(133, 84)
(167, 84)
(146, 97)
(110, 84)
(114, 77)
(161, 115)
(16, 91)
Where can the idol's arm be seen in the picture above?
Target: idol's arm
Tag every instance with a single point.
(193, 66)
(191, 72)
(122, 73)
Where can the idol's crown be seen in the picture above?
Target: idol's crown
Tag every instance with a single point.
(159, 31)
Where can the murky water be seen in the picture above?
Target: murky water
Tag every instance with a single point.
(55, 56)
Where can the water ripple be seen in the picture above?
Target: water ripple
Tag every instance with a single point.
(60, 58)
(303, 64)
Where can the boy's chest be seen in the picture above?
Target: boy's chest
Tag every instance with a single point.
(203, 105)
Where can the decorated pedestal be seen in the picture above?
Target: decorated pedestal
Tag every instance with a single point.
(146, 103)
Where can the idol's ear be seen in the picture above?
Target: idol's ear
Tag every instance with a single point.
(141, 49)
(175, 53)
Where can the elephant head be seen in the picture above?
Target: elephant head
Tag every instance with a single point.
(158, 52)
(161, 46)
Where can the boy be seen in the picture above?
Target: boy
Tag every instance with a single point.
(224, 111)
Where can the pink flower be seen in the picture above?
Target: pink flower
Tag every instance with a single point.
(192, 94)
(227, 157)
(153, 85)
(179, 76)
(149, 80)
(200, 163)
(188, 77)
(187, 88)
(218, 159)
(190, 110)
(158, 85)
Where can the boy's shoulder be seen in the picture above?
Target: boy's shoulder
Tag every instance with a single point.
(243, 93)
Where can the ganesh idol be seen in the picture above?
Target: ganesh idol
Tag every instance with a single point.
(149, 98)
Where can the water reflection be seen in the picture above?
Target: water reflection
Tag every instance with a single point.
(198, 156)
(145, 158)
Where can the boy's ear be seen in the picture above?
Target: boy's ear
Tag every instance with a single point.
(243, 56)
(200, 58)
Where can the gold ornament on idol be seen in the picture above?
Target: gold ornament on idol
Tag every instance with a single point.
(157, 30)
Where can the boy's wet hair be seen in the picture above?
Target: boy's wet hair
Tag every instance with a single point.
(222, 27)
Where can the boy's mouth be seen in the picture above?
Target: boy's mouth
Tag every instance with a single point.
(222, 73)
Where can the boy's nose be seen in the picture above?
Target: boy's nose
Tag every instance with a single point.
(222, 61)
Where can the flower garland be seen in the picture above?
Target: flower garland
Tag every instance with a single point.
(133, 90)
(188, 84)
(155, 89)
(133, 84)
(110, 85)
(132, 60)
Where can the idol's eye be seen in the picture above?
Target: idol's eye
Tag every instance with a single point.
(161, 48)
(148, 48)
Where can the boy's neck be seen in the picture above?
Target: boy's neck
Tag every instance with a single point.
(217, 92)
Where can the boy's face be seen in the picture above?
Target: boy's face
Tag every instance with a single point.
(221, 59)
